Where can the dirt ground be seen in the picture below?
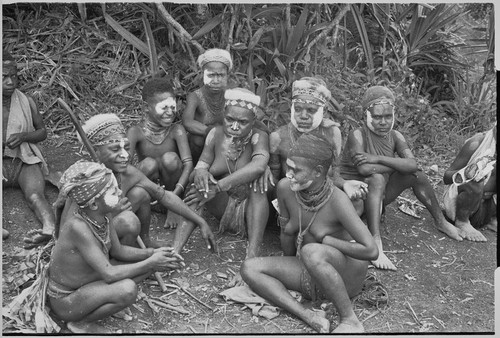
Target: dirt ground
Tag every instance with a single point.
(440, 286)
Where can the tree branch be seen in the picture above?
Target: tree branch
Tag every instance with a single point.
(183, 33)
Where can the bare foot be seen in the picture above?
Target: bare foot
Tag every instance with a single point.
(172, 221)
(236, 281)
(150, 243)
(87, 327)
(5, 234)
(317, 321)
(124, 314)
(35, 238)
(349, 327)
(467, 231)
(492, 225)
(449, 229)
(382, 262)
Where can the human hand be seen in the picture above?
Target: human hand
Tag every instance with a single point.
(195, 197)
(208, 237)
(355, 189)
(15, 140)
(262, 181)
(166, 260)
(363, 158)
(123, 205)
(202, 178)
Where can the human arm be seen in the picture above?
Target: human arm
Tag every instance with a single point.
(354, 189)
(187, 161)
(201, 173)
(462, 158)
(274, 155)
(134, 135)
(91, 251)
(287, 238)
(253, 169)
(364, 246)
(38, 135)
(192, 126)
(368, 164)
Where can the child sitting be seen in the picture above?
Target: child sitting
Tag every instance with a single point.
(161, 145)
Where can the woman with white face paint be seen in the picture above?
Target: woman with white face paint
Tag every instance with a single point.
(132, 216)
(205, 106)
(85, 284)
(160, 143)
(370, 156)
(235, 154)
(309, 100)
(326, 246)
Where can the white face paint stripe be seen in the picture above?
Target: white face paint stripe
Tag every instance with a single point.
(206, 79)
(169, 102)
(123, 151)
(317, 118)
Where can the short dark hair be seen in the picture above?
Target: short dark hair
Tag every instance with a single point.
(156, 86)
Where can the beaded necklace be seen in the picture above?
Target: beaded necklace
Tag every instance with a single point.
(101, 231)
(315, 200)
(215, 101)
(154, 132)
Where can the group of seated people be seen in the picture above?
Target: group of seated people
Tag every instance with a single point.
(219, 157)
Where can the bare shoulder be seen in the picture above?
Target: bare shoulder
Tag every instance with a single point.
(192, 98)
(76, 228)
(135, 131)
(283, 186)
(261, 133)
(274, 141)
(339, 200)
(398, 136)
(355, 135)
(178, 129)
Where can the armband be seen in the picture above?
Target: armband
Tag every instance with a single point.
(282, 221)
(158, 194)
(265, 154)
(186, 160)
(180, 185)
(202, 165)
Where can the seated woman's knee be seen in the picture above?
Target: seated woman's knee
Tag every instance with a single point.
(128, 291)
(171, 162)
(148, 166)
(376, 181)
(250, 268)
(127, 222)
(138, 195)
(312, 254)
(421, 177)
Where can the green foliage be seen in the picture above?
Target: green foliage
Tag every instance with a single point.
(106, 52)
